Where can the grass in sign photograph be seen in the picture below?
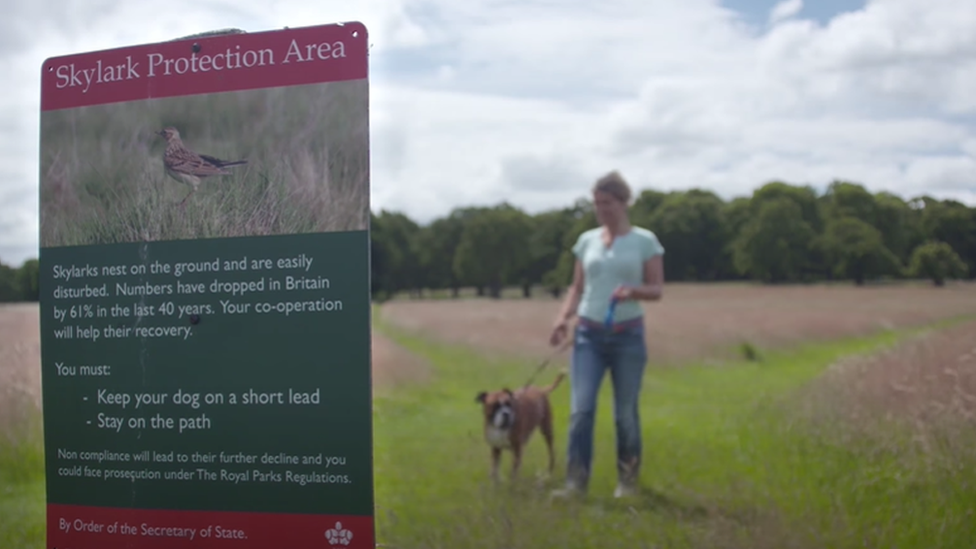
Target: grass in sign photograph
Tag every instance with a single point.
(307, 152)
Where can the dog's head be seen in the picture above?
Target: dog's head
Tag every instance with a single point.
(498, 407)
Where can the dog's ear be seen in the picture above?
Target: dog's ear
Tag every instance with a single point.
(480, 397)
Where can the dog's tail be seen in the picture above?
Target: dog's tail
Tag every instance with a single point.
(556, 382)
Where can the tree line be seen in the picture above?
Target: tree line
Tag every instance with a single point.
(19, 283)
(782, 233)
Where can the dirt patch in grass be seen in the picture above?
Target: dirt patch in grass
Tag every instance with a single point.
(696, 321)
(394, 366)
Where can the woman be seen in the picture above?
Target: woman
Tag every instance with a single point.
(619, 263)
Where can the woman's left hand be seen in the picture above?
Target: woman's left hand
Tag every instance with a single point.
(624, 293)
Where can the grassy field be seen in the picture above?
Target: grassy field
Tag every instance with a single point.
(731, 462)
(307, 148)
(862, 439)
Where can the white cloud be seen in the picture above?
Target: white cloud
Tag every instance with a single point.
(488, 100)
(954, 172)
(435, 150)
(785, 10)
(852, 100)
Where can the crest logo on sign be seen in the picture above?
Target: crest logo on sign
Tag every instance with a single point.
(338, 536)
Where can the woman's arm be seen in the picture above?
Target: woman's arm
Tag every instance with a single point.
(573, 294)
(653, 287)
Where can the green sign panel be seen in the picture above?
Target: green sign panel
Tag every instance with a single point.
(205, 293)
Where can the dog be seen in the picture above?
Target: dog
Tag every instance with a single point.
(510, 419)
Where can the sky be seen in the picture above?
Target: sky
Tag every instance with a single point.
(476, 102)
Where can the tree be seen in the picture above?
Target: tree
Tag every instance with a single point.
(28, 279)
(645, 204)
(692, 228)
(398, 267)
(20, 283)
(856, 250)
(804, 197)
(737, 214)
(562, 274)
(9, 284)
(381, 261)
(545, 248)
(774, 246)
(937, 261)
(844, 199)
(899, 225)
(807, 261)
(494, 248)
(953, 223)
(437, 243)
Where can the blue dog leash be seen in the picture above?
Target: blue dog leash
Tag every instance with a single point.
(608, 321)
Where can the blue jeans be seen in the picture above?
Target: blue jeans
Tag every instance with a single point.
(622, 351)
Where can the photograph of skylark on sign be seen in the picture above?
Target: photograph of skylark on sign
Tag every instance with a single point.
(205, 306)
(276, 160)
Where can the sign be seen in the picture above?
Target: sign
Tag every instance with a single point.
(205, 305)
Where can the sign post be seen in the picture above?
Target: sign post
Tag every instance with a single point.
(205, 306)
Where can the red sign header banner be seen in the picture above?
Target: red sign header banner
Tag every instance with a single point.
(209, 64)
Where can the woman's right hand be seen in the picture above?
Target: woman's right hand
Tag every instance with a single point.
(559, 332)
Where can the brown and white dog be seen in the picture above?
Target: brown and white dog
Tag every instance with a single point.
(510, 418)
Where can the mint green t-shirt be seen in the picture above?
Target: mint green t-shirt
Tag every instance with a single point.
(606, 268)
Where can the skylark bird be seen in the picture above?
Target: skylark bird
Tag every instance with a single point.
(189, 167)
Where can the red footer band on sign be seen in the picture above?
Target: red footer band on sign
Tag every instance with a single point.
(81, 527)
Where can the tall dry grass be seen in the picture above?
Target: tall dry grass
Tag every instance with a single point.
(307, 148)
(20, 362)
(918, 397)
(904, 423)
(696, 321)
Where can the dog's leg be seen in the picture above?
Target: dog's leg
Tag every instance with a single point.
(546, 427)
(516, 460)
(496, 457)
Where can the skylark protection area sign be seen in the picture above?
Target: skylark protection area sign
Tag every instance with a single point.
(205, 306)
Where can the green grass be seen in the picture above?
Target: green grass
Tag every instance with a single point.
(22, 485)
(725, 466)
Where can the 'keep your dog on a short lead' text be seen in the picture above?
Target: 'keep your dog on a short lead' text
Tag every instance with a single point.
(134, 410)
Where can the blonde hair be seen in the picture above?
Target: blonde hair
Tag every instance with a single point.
(614, 184)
